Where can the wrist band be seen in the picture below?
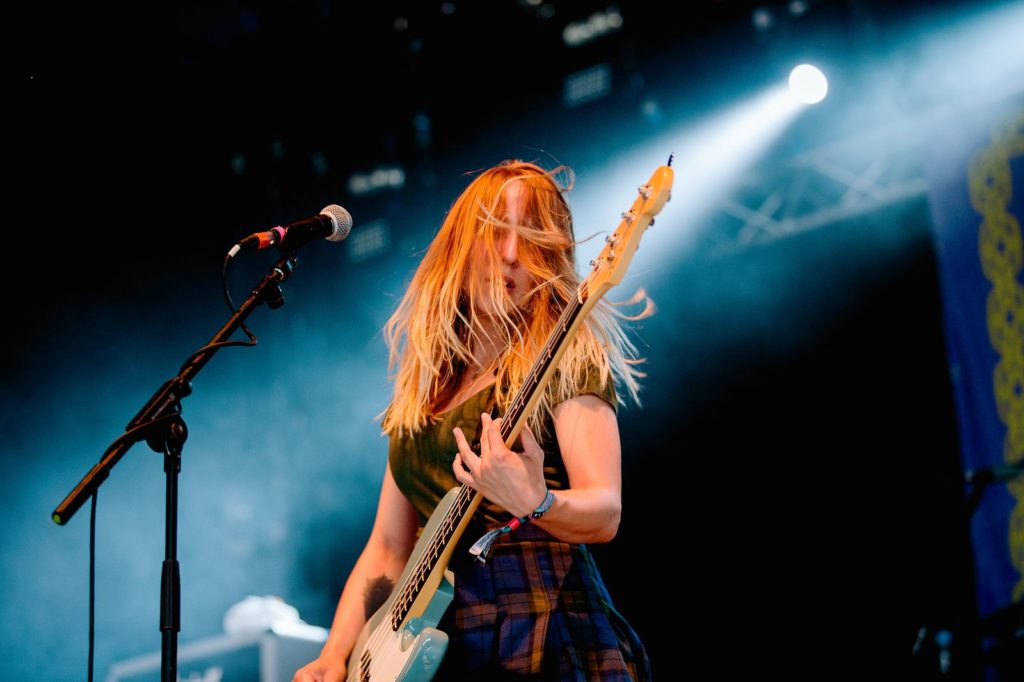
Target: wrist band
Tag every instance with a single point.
(549, 499)
(483, 545)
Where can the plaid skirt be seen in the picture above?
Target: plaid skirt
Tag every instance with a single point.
(538, 609)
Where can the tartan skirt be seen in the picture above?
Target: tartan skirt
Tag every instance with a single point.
(538, 609)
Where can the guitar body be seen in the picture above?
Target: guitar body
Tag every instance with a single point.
(413, 652)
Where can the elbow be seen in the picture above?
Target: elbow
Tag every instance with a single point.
(610, 528)
(386, 553)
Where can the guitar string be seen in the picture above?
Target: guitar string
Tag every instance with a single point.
(449, 522)
(446, 527)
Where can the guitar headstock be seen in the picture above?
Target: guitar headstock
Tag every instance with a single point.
(610, 266)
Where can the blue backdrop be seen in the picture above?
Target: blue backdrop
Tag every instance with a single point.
(977, 194)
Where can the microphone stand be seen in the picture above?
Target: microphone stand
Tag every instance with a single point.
(161, 425)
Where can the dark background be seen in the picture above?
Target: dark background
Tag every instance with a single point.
(792, 496)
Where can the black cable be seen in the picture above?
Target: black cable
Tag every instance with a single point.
(231, 306)
(209, 346)
(227, 296)
(92, 581)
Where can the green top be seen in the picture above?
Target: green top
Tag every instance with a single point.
(421, 464)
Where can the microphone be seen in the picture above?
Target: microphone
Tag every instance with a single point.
(333, 224)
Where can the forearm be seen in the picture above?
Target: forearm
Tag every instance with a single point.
(583, 515)
(350, 616)
(588, 437)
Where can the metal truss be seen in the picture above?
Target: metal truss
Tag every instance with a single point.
(827, 185)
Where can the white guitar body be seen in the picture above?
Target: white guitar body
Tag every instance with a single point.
(413, 651)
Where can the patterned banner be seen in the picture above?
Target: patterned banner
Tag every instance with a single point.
(977, 197)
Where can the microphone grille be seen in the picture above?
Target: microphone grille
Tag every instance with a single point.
(340, 219)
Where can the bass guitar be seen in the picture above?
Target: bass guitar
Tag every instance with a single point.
(400, 641)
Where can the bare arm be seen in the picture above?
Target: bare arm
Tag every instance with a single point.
(385, 555)
(588, 436)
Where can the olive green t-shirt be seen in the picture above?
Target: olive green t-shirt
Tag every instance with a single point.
(421, 463)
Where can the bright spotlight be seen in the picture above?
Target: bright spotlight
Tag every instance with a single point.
(808, 84)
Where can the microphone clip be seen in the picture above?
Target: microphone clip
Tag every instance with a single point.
(259, 240)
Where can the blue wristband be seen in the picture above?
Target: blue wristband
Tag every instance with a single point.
(549, 499)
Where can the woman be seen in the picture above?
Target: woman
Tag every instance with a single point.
(480, 307)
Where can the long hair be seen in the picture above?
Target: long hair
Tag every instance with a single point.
(431, 333)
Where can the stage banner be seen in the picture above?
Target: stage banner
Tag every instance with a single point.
(977, 202)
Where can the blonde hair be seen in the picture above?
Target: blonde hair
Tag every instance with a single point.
(431, 333)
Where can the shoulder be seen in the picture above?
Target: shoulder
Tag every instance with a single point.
(590, 380)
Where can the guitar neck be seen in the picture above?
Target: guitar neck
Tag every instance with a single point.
(536, 381)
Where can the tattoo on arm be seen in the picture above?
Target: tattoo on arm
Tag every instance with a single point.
(376, 593)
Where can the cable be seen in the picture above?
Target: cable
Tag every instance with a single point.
(92, 581)
(227, 297)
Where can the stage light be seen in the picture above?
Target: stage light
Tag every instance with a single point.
(383, 177)
(808, 84)
(597, 25)
(319, 163)
(713, 153)
(586, 85)
(372, 240)
(797, 8)
(762, 19)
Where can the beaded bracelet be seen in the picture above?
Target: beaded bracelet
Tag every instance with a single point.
(483, 545)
